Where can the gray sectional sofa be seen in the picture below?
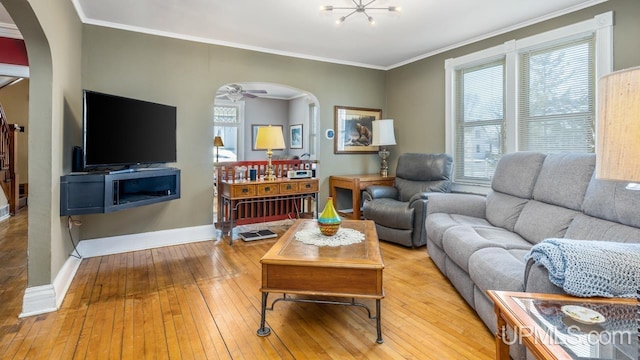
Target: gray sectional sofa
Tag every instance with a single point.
(480, 242)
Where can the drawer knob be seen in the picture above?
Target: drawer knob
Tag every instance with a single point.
(245, 190)
(267, 188)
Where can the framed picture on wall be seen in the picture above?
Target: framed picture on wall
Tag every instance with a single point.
(354, 131)
(254, 135)
(295, 136)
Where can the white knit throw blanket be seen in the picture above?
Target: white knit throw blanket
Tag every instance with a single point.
(590, 268)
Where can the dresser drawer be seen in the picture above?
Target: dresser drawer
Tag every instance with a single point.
(289, 188)
(243, 191)
(308, 186)
(267, 189)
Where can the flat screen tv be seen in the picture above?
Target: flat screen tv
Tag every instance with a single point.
(121, 132)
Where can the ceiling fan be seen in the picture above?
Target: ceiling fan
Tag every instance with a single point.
(235, 92)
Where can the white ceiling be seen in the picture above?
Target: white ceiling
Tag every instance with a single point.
(299, 28)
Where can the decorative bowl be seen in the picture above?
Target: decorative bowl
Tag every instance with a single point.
(328, 229)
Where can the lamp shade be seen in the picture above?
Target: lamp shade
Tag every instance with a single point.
(383, 133)
(618, 143)
(269, 138)
(217, 141)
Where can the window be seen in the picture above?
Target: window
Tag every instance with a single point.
(227, 123)
(533, 94)
(557, 89)
(479, 119)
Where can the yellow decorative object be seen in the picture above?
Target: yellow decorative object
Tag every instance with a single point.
(329, 220)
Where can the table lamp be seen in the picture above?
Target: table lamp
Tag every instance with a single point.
(217, 142)
(382, 136)
(618, 143)
(269, 138)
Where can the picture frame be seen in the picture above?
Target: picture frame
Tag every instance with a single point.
(295, 136)
(254, 134)
(354, 130)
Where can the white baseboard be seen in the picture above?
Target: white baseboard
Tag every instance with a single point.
(38, 300)
(4, 213)
(150, 240)
(47, 298)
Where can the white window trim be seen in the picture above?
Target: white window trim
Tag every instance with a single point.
(601, 25)
(240, 124)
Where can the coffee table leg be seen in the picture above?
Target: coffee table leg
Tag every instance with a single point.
(378, 322)
(264, 331)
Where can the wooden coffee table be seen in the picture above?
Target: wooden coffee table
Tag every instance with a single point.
(351, 271)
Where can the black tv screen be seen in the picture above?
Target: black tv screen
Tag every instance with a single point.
(120, 131)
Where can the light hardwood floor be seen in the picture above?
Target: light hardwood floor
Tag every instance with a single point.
(201, 301)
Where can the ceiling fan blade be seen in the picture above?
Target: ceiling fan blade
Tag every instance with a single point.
(250, 96)
(256, 91)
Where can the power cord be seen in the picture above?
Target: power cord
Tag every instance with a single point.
(70, 223)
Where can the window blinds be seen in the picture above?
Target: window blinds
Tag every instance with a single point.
(480, 109)
(556, 98)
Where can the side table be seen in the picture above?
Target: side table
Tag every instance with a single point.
(542, 324)
(355, 184)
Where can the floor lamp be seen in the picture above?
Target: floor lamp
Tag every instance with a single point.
(618, 143)
(383, 136)
(269, 138)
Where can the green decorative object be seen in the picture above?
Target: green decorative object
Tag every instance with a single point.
(329, 220)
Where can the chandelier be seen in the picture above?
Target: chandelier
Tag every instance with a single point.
(358, 8)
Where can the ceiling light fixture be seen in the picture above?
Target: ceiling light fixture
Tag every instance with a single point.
(358, 8)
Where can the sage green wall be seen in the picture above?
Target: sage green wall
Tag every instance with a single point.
(415, 92)
(52, 33)
(187, 74)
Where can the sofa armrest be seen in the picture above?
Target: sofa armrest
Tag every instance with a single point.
(379, 192)
(454, 203)
(536, 279)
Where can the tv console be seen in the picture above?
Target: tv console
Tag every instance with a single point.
(96, 193)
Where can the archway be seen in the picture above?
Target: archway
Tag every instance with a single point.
(276, 104)
(40, 117)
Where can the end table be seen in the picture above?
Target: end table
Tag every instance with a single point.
(355, 184)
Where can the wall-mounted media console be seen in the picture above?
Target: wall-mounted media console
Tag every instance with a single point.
(96, 193)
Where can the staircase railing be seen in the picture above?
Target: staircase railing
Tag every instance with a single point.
(8, 158)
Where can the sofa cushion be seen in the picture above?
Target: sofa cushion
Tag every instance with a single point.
(439, 223)
(564, 178)
(408, 188)
(610, 200)
(391, 213)
(460, 242)
(539, 221)
(516, 173)
(590, 228)
(498, 269)
(503, 210)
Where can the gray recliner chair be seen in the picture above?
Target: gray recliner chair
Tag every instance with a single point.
(400, 211)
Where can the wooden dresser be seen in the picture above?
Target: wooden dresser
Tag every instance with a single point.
(248, 202)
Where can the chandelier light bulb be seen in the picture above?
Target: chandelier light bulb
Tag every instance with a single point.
(359, 7)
